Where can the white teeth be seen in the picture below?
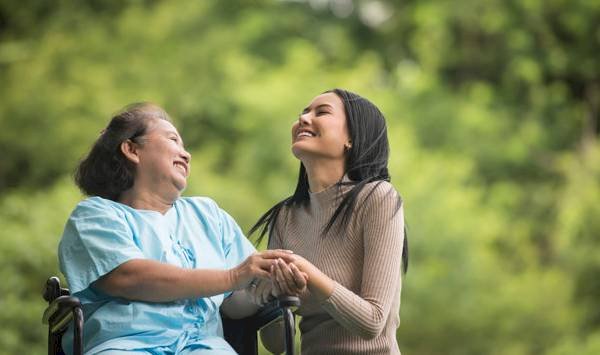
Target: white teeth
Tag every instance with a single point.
(180, 166)
(305, 134)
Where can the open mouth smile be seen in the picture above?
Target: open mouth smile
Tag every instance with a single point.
(305, 133)
(182, 166)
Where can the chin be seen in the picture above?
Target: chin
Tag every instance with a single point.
(298, 153)
(181, 186)
(302, 153)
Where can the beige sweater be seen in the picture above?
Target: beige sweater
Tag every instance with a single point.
(364, 260)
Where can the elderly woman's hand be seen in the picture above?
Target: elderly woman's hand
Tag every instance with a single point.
(257, 265)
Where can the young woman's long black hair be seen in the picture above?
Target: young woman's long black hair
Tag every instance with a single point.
(366, 162)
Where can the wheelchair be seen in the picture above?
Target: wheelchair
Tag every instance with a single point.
(63, 309)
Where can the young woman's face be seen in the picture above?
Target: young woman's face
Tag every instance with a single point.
(162, 158)
(321, 131)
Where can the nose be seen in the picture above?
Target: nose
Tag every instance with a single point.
(186, 156)
(304, 119)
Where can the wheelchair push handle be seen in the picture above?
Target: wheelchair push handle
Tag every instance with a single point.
(288, 305)
(62, 310)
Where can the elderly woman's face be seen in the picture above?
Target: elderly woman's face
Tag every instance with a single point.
(163, 161)
(321, 129)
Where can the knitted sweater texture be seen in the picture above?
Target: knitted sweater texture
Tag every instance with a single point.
(362, 257)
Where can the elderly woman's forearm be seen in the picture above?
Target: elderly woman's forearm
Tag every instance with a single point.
(152, 281)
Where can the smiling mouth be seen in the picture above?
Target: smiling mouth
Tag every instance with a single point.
(182, 167)
(305, 134)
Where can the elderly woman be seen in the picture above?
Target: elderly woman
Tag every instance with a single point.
(150, 267)
(345, 224)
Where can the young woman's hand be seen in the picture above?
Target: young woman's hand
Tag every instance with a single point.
(257, 265)
(319, 285)
(288, 278)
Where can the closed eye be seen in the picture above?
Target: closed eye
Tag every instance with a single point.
(177, 141)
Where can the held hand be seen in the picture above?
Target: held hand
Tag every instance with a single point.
(320, 286)
(257, 265)
(288, 278)
(261, 291)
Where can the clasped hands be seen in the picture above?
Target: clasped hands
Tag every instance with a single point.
(286, 278)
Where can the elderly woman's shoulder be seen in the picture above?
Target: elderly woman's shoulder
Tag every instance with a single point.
(97, 206)
(200, 202)
(95, 202)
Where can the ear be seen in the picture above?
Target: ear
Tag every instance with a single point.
(130, 151)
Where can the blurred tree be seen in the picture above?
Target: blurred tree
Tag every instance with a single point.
(493, 117)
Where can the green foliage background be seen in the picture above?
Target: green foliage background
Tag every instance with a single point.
(493, 113)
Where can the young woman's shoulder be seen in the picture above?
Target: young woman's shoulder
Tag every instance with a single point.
(379, 191)
(378, 196)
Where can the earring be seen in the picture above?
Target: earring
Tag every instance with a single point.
(347, 146)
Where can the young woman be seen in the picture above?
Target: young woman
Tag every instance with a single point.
(345, 224)
(150, 267)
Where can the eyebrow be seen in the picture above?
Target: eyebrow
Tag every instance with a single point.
(172, 132)
(306, 109)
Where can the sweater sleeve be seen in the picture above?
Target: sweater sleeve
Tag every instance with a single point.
(366, 313)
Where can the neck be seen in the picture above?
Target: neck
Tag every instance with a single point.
(323, 174)
(147, 200)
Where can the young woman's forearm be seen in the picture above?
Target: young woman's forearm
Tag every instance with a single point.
(319, 285)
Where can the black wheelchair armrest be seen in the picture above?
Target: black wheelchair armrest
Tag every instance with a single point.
(241, 333)
(60, 312)
(288, 305)
(275, 309)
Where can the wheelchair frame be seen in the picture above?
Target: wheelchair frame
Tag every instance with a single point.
(239, 333)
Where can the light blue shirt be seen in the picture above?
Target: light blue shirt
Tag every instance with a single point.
(102, 234)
